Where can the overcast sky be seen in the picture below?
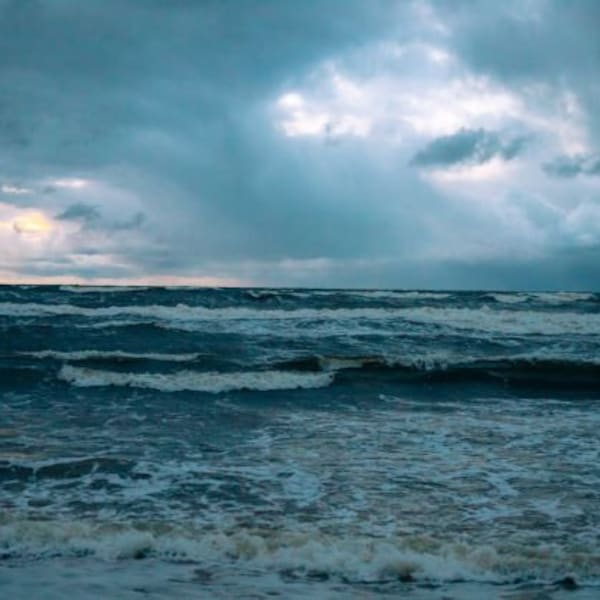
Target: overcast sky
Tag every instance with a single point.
(326, 143)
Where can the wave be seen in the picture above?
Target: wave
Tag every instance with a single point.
(521, 322)
(552, 298)
(525, 368)
(106, 289)
(549, 298)
(212, 382)
(112, 355)
(321, 371)
(505, 298)
(562, 297)
(64, 468)
(400, 295)
(308, 553)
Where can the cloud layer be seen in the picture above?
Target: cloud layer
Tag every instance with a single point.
(326, 143)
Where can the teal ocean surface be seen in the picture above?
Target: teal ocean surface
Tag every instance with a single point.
(258, 443)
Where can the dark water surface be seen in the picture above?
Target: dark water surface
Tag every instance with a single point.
(229, 443)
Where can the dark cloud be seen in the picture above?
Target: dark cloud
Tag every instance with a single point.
(91, 217)
(571, 166)
(533, 40)
(80, 212)
(467, 146)
(86, 78)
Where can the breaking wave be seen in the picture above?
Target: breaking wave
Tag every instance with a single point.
(444, 366)
(298, 554)
(101, 289)
(211, 382)
(508, 322)
(112, 355)
(322, 371)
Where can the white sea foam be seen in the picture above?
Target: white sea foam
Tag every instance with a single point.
(183, 316)
(352, 558)
(400, 295)
(562, 297)
(506, 298)
(94, 289)
(212, 382)
(112, 355)
(553, 298)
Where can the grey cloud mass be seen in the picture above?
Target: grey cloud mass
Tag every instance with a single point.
(274, 142)
(571, 166)
(80, 212)
(475, 146)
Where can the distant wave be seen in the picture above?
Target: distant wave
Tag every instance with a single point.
(264, 294)
(551, 298)
(211, 382)
(399, 295)
(519, 322)
(297, 555)
(110, 355)
(95, 289)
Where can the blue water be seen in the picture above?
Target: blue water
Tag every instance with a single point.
(221, 443)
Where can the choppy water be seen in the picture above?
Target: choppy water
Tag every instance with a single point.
(326, 444)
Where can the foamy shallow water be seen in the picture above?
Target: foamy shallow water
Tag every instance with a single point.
(451, 458)
(89, 579)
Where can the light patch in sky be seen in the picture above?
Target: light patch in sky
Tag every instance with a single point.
(15, 189)
(32, 223)
(495, 169)
(72, 183)
(335, 102)
(302, 118)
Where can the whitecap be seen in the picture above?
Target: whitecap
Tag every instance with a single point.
(353, 558)
(522, 322)
(92, 289)
(211, 382)
(112, 355)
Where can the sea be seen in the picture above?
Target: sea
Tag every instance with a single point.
(291, 443)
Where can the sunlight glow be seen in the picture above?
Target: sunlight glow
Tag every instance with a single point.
(32, 223)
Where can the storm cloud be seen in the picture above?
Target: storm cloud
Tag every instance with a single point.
(272, 142)
(467, 146)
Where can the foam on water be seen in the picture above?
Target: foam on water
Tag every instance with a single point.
(212, 382)
(523, 322)
(303, 552)
(551, 298)
(117, 355)
(100, 289)
(407, 458)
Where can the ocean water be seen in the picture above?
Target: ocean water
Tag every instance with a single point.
(223, 443)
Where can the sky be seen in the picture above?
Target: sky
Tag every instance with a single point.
(324, 143)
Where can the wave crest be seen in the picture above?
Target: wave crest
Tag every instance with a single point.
(212, 382)
(297, 554)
